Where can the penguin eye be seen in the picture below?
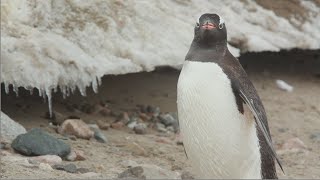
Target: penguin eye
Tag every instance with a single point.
(220, 26)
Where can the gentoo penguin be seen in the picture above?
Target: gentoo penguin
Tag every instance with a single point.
(219, 140)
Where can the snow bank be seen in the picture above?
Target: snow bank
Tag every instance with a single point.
(73, 43)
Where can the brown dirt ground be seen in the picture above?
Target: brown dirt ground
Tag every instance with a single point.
(295, 114)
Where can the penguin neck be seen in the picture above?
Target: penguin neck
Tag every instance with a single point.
(207, 51)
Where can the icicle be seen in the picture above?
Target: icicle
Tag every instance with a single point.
(40, 92)
(83, 91)
(48, 93)
(6, 87)
(95, 85)
(99, 81)
(16, 90)
(64, 91)
(44, 96)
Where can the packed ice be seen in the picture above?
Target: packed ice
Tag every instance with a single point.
(71, 44)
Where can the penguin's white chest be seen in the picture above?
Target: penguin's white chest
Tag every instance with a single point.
(219, 141)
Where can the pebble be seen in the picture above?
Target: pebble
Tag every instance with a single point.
(76, 155)
(132, 124)
(37, 142)
(167, 119)
(124, 117)
(292, 145)
(103, 125)
(136, 149)
(140, 128)
(170, 128)
(76, 127)
(117, 125)
(9, 128)
(147, 171)
(47, 159)
(284, 86)
(155, 111)
(161, 127)
(83, 170)
(71, 156)
(71, 168)
(144, 117)
(315, 136)
(98, 135)
(45, 166)
(105, 111)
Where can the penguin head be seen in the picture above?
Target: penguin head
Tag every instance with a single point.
(210, 29)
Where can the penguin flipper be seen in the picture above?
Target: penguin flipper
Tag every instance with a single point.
(260, 118)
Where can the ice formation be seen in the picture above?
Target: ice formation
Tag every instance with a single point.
(72, 43)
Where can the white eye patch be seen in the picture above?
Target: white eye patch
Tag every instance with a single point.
(221, 21)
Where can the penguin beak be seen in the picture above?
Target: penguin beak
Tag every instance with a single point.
(208, 26)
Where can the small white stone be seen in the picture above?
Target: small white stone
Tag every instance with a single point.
(45, 166)
(284, 86)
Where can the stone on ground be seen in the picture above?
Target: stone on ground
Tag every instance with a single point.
(37, 142)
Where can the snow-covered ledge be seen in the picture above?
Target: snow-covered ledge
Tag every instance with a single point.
(73, 43)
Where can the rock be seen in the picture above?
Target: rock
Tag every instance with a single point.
(47, 159)
(76, 155)
(104, 111)
(140, 128)
(116, 114)
(117, 125)
(80, 155)
(98, 135)
(83, 170)
(144, 117)
(76, 127)
(124, 117)
(147, 171)
(284, 86)
(71, 168)
(152, 110)
(170, 128)
(161, 127)
(315, 136)
(167, 119)
(45, 166)
(71, 156)
(73, 137)
(136, 149)
(103, 125)
(37, 142)
(9, 128)
(292, 145)
(132, 124)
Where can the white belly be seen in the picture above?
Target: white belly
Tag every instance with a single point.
(219, 141)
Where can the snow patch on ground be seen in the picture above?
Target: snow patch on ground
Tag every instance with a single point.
(73, 43)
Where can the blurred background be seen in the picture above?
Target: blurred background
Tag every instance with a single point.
(114, 65)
